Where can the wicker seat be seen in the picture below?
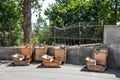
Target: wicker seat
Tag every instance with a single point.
(20, 60)
(48, 61)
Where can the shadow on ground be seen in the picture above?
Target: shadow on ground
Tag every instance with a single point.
(116, 72)
(42, 66)
(13, 65)
(4, 62)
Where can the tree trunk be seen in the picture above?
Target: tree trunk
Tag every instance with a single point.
(26, 26)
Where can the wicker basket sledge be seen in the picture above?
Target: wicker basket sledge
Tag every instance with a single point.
(20, 60)
(60, 52)
(24, 58)
(48, 61)
(91, 65)
(98, 62)
(39, 52)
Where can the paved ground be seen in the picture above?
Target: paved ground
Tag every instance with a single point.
(67, 72)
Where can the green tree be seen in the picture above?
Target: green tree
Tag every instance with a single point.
(41, 31)
(10, 17)
(13, 13)
(65, 12)
(115, 4)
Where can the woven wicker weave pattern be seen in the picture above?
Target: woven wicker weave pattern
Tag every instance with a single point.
(60, 53)
(39, 52)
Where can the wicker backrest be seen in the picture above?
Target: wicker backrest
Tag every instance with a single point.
(27, 50)
(60, 52)
(100, 54)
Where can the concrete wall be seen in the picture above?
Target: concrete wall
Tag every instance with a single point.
(75, 54)
(6, 52)
(111, 34)
(112, 40)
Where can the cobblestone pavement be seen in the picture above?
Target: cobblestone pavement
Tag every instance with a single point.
(67, 72)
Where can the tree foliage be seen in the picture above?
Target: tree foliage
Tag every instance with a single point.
(10, 17)
(65, 12)
(40, 31)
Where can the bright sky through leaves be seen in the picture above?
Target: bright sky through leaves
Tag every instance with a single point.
(44, 6)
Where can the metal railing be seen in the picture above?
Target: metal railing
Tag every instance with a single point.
(76, 34)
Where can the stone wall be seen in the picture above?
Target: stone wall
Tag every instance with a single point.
(75, 54)
(112, 40)
(6, 52)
